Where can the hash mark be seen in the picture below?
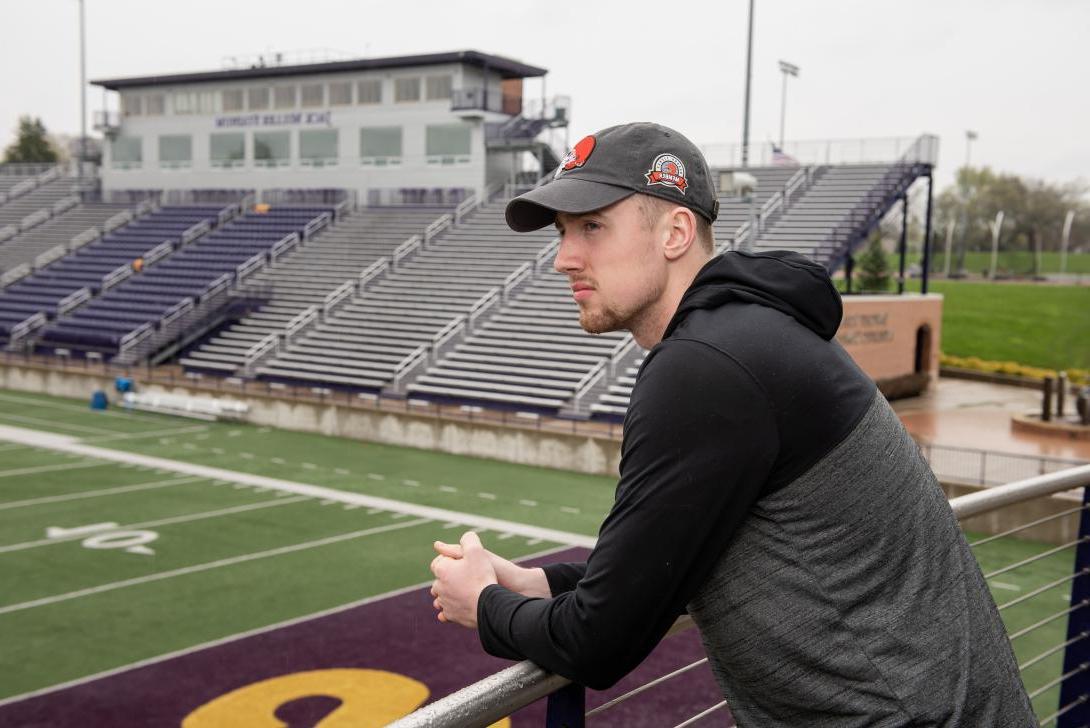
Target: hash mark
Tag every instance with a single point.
(530, 503)
(342, 471)
(246, 455)
(487, 496)
(310, 466)
(410, 482)
(278, 461)
(376, 476)
(448, 489)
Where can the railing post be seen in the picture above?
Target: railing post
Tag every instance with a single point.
(566, 707)
(1075, 689)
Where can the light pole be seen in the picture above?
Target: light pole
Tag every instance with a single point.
(788, 69)
(970, 137)
(82, 95)
(749, 76)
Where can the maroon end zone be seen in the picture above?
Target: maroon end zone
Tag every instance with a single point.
(398, 635)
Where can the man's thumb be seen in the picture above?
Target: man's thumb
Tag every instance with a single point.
(470, 540)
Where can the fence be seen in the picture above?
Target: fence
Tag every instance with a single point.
(987, 467)
(1054, 659)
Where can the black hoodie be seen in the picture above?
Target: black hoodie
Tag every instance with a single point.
(746, 391)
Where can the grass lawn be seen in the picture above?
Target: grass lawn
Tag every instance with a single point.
(1016, 262)
(1040, 325)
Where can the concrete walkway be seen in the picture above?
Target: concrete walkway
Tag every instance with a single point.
(960, 413)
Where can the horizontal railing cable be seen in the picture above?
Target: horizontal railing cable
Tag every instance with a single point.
(1042, 589)
(1036, 557)
(718, 706)
(1024, 526)
(1052, 651)
(1051, 618)
(1056, 681)
(645, 686)
(1066, 709)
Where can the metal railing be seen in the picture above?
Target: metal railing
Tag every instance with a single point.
(1054, 660)
(406, 369)
(444, 338)
(405, 250)
(484, 304)
(436, 227)
(823, 151)
(988, 467)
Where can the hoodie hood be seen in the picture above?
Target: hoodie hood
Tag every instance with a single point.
(783, 280)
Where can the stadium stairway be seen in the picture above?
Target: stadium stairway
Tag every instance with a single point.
(307, 277)
(16, 211)
(190, 287)
(424, 304)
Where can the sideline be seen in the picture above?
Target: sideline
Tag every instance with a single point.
(147, 662)
(81, 494)
(51, 441)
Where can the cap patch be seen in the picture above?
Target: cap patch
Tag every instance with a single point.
(669, 171)
(578, 155)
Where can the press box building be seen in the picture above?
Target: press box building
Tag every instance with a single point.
(404, 128)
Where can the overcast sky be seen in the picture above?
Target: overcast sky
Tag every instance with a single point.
(1014, 71)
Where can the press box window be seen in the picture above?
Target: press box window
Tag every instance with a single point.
(258, 98)
(272, 148)
(439, 87)
(369, 91)
(380, 146)
(227, 150)
(154, 105)
(312, 94)
(447, 143)
(232, 99)
(284, 97)
(132, 105)
(318, 148)
(407, 89)
(175, 151)
(126, 153)
(340, 93)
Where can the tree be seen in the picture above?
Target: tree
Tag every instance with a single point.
(31, 143)
(874, 266)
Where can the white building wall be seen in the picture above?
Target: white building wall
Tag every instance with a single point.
(415, 171)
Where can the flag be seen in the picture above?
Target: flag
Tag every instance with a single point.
(779, 159)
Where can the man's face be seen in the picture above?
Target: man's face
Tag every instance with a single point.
(614, 263)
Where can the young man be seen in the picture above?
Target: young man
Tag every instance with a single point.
(766, 486)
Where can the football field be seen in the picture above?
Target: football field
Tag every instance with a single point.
(145, 555)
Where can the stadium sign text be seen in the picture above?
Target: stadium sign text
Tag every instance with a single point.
(286, 119)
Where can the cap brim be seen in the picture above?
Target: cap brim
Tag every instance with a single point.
(538, 207)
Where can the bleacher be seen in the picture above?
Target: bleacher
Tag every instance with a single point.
(58, 230)
(15, 210)
(425, 304)
(44, 291)
(307, 275)
(144, 303)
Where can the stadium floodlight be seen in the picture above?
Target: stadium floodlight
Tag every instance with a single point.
(788, 69)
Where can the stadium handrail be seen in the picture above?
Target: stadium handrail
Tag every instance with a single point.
(73, 301)
(437, 226)
(15, 274)
(500, 694)
(115, 276)
(55, 253)
(257, 353)
(589, 380)
(336, 297)
(407, 367)
(619, 352)
(406, 249)
(300, 322)
(483, 305)
(442, 339)
(159, 252)
(875, 150)
(87, 236)
(373, 271)
(25, 328)
(516, 280)
(545, 255)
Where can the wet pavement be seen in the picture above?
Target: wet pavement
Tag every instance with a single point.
(961, 413)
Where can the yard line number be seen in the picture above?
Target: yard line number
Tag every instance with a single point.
(108, 535)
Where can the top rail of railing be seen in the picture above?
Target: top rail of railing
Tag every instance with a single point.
(498, 695)
(827, 151)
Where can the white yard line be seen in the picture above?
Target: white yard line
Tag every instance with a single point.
(81, 409)
(61, 425)
(160, 522)
(243, 635)
(68, 444)
(151, 433)
(151, 485)
(207, 566)
(50, 468)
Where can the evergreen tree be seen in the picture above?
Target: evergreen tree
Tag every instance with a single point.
(31, 143)
(874, 267)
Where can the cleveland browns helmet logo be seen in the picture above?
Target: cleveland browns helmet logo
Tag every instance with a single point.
(577, 157)
(669, 171)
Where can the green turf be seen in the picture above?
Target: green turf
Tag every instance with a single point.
(114, 627)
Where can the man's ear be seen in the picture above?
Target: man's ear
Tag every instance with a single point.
(680, 233)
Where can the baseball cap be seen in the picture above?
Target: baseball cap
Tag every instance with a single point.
(614, 163)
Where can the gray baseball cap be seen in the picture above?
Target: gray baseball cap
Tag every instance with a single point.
(614, 163)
